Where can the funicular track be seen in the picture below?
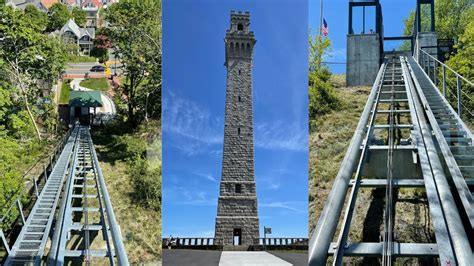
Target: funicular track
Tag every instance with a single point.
(394, 147)
(86, 230)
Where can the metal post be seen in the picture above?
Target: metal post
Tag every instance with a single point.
(36, 187)
(45, 173)
(20, 209)
(4, 240)
(458, 81)
(444, 81)
(435, 73)
(429, 66)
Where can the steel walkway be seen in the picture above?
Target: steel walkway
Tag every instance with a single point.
(85, 218)
(393, 146)
(30, 244)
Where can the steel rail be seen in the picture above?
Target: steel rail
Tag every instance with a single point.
(443, 240)
(457, 233)
(327, 223)
(456, 174)
(119, 248)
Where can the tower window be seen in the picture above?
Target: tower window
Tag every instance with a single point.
(238, 188)
(239, 71)
(239, 99)
(240, 26)
(238, 130)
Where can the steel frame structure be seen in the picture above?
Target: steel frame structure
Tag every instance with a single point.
(404, 81)
(84, 195)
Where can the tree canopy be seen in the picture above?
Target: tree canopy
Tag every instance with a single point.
(135, 32)
(58, 16)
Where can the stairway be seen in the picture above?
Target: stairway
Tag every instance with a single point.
(30, 244)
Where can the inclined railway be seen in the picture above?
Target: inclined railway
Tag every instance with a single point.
(408, 136)
(72, 219)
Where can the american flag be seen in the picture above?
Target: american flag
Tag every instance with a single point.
(325, 29)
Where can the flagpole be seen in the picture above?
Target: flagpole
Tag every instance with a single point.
(321, 20)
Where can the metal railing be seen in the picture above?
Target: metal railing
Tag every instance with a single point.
(279, 241)
(190, 241)
(9, 217)
(458, 97)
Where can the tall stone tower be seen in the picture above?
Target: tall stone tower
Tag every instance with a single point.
(237, 217)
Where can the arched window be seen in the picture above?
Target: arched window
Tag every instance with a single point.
(238, 130)
(248, 49)
(242, 48)
(237, 50)
(240, 26)
(231, 48)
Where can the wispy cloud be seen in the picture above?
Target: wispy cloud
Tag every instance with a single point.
(281, 136)
(296, 206)
(193, 127)
(209, 177)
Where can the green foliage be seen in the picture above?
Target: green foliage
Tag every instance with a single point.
(322, 98)
(38, 19)
(58, 16)
(79, 16)
(135, 30)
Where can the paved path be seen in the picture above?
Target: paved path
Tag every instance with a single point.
(250, 258)
(179, 257)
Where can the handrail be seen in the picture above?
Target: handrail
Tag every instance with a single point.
(443, 64)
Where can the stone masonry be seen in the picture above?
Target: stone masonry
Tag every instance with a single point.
(237, 205)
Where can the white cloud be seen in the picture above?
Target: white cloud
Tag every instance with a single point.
(209, 177)
(193, 128)
(281, 136)
(296, 206)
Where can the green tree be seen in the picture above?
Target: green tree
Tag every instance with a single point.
(79, 16)
(58, 16)
(322, 98)
(135, 31)
(27, 56)
(38, 19)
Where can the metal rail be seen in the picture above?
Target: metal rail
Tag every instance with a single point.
(86, 211)
(430, 65)
(397, 84)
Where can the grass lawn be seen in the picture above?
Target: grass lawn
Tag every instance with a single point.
(80, 59)
(65, 89)
(97, 84)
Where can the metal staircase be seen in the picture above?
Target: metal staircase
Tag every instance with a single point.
(85, 213)
(30, 244)
(454, 138)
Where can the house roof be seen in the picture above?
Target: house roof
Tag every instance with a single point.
(49, 3)
(71, 26)
(22, 4)
(91, 3)
(79, 32)
(85, 99)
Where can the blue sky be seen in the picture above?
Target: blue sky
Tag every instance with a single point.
(336, 13)
(194, 84)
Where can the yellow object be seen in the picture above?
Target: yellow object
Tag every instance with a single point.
(107, 70)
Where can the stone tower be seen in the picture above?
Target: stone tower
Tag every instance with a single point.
(237, 217)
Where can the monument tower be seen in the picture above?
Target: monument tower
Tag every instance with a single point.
(237, 217)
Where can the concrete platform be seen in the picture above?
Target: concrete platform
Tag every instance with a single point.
(179, 257)
(250, 258)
